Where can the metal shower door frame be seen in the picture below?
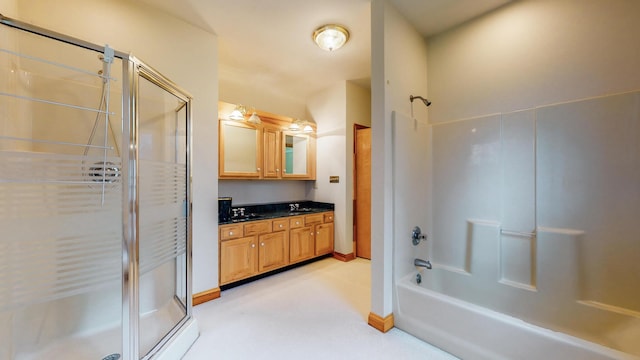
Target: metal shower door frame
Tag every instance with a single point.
(133, 69)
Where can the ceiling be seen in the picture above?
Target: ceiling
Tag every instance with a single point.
(269, 41)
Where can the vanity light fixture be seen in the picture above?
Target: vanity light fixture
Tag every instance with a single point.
(331, 37)
(238, 113)
(254, 118)
(303, 125)
(295, 125)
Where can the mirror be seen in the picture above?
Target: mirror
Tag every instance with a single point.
(296, 150)
(239, 149)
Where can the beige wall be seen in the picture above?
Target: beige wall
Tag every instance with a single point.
(251, 91)
(174, 48)
(533, 53)
(398, 70)
(336, 110)
(328, 109)
(557, 62)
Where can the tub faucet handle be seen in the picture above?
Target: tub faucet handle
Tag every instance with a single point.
(417, 235)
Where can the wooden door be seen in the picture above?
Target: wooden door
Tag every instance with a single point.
(273, 250)
(362, 192)
(237, 259)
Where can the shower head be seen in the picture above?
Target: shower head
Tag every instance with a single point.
(425, 101)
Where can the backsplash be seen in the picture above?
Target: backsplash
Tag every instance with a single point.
(253, 192)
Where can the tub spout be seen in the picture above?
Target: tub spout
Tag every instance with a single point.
(422, 263)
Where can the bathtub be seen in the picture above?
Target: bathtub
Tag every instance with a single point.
(470, 331)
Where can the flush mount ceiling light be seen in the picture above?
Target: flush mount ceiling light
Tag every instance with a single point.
(331, 37)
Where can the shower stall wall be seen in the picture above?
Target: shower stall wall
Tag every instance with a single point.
(95, 222)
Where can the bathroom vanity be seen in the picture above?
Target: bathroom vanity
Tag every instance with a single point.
(262, 238)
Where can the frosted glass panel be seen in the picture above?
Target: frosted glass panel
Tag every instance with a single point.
(61, 195)
(163, 213)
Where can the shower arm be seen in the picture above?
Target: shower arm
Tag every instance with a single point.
(425, 101)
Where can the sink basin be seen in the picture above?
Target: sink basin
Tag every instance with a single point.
(301, 211)
(246, 217)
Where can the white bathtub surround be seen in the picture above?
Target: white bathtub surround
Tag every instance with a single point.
(476, 332)
(318, 311)
(534, 217)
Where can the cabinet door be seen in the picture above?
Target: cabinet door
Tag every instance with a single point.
(238, 259)
(273, 250)
(239, 152)
(271, 148)
(324, 239)
(301, 242)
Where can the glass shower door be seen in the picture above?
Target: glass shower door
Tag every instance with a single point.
(163, 221)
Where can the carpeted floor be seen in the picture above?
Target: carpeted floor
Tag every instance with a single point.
(318, 311)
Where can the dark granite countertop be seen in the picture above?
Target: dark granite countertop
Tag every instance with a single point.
(254, 212)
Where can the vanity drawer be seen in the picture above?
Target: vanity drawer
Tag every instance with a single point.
(280, 225)
(313, 219)
(257, 227)
(228, 232)
(296, 222)
(328, 217)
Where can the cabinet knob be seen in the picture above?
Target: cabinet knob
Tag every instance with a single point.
(297, 222)
(277, 170)
(261, 244)
(253, 245)
(312, 233)
(318, 233)
(230, 233)
(330, 217)
(258, 169)
(281, 226)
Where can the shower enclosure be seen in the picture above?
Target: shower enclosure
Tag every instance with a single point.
(95, 222)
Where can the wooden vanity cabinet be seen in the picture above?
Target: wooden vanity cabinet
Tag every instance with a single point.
(239, 150)
(302, 244)
(312, 239)
(298, 156)
(324, 236)
(238, 259)
(251, 248)
(263, 151)
(273, 250)
(255, 247)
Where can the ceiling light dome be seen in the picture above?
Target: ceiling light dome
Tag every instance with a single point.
(331, 37)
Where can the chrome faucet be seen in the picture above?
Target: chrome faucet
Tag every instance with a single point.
(422, 263)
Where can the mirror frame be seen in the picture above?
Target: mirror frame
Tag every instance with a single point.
(222, 172)
(309, 172)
